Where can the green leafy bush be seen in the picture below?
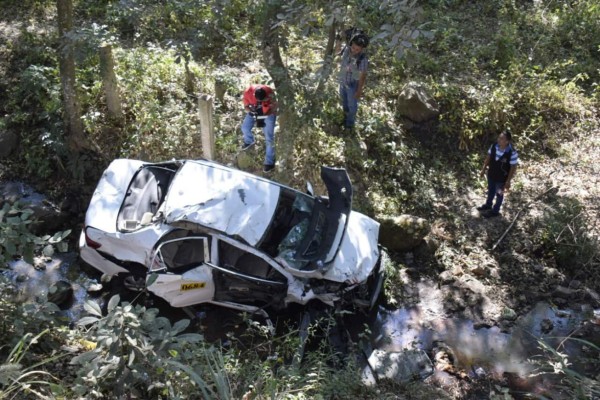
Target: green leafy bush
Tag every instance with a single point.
(573, 382)
(142, 353)
(17, 379)
(16, 240)
(20, 321)
(566, 235)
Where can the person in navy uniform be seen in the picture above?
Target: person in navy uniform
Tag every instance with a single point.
(501, 165)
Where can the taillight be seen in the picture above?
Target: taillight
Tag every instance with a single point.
(90, 242)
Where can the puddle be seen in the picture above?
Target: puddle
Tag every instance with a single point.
(34, 283)
(501, 352)
(489, 351)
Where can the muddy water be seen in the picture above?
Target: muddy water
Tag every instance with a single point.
(491, 352)
(500, 352)
(36, 282)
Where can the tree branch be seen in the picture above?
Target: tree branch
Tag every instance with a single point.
(519, 213)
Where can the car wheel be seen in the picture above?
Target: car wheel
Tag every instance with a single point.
(134, 283)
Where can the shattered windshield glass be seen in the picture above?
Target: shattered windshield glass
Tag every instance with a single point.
(290, 244)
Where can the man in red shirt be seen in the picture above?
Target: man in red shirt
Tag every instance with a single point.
(261, 108)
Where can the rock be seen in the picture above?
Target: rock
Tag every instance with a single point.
(416, 104)
(455, 303)
(245, 159)
(537, 267)
(400, 366)
(592, 294)
(564, 292)
(95, 287)
(472, 284)
(479, 372)
(457, 270)
(427, 247)
(47, 216)
(495, 273)
(552, 272)
(60, 293)
(39, 263)
(523, 298)
(446, 277)
(509, 314)
(403, 232)
(9, 142)
(560, 302)
(575, 284)
(478, 270)
(546, 325)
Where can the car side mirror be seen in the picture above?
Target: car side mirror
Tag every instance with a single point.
(309, 189)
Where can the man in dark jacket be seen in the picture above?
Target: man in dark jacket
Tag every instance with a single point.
(502, 160)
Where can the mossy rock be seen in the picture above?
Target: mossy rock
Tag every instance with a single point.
(245, 160)
(403, 232)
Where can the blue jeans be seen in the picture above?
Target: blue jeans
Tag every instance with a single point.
(495, 188)
(349, 103)
(268, 130)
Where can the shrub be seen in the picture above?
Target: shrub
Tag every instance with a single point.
(16, 240)
(573, 383)
(18, 379)
(138, 351)
(568, 237)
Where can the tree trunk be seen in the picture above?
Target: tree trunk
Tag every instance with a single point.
(72, 110)
(289, 123)
(109, 82)
(328, 58)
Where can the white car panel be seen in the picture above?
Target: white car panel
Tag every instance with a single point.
(192, 287)
(109, 194)
(129, 246)
(229, 201)
(358, 253)
(94, 258)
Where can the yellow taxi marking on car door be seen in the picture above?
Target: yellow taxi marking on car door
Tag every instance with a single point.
(192, 286)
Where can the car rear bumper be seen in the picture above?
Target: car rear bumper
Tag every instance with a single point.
(96, 260)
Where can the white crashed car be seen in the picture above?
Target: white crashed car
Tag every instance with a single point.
(195, 231)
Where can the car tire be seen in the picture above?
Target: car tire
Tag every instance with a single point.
(134, 283)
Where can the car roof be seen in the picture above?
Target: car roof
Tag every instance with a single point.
(221, 198)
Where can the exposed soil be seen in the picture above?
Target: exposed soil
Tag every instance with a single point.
(494, 271)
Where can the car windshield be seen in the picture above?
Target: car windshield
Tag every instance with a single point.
(290, 245)
(297, 233)
(289, 222)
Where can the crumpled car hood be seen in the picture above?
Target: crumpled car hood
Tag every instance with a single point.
(109, 194)
(237, 204)
(358, 253)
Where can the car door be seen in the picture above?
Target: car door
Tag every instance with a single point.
(247, 277)
(180, 272)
